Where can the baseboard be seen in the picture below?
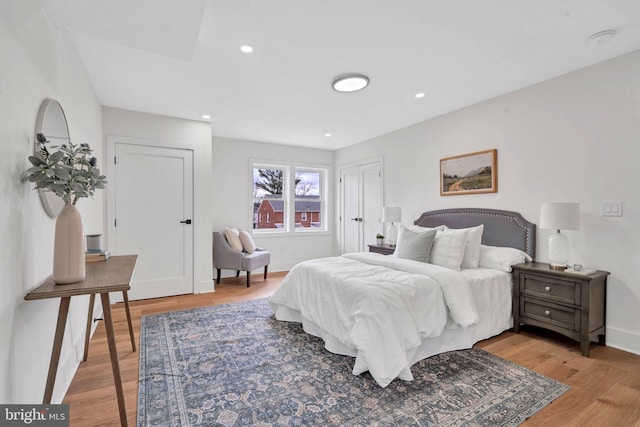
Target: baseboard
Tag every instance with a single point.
(284, 266)
(623, 340)
(273, 268)
(204, 286)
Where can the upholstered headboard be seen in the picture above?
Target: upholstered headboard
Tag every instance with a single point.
(501, 228)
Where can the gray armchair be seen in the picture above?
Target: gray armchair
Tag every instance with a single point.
(225, 257)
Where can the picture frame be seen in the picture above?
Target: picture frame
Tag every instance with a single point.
(473, 173)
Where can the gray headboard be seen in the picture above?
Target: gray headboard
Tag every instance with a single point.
(501, 228)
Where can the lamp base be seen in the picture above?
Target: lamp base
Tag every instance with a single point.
(558, 251)
(392, 233)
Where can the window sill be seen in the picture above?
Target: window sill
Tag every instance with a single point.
(291, 233)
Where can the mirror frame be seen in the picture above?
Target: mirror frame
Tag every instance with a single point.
(51, 203)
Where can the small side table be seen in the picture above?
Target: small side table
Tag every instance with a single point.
(384, 249)
(571, 304)
(113, 275)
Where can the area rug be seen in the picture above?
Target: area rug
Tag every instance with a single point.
(235, 365)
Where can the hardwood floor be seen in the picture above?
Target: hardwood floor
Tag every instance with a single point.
(605, 388)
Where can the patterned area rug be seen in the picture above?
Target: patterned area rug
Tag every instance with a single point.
(235, 365)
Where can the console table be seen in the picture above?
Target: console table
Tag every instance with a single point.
(113, 275)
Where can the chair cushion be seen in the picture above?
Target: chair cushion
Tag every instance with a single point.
(255, 260)
(250, 245)
(233, 237)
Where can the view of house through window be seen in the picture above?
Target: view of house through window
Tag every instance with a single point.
(308, 199)
(271, 198)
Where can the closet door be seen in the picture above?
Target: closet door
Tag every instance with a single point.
(153, 216)
(361, 206)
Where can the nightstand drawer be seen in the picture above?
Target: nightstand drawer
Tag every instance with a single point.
(564, 291)
(550, 313)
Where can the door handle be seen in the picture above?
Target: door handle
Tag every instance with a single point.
(356, 219)
(186, 221)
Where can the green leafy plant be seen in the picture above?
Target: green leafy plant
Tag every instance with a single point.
(70, 171)
(379, 236)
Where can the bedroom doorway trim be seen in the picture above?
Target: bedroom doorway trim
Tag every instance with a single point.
(361, 186)
(151, 212)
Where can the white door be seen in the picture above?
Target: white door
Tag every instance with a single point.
(361, 200)
(371, 204)
(350, 215)
(153, 217)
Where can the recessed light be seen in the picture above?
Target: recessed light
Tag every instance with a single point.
(206, 116)
(246, 49)
(602, 37)
(327, 134)
(350, 82)
(420, 95)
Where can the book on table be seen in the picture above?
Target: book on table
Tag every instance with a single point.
(93, 256)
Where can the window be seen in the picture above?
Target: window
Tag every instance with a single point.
(309, 183)
(269, 196)
(285, 203)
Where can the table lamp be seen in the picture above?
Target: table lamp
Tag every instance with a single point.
(391, 214)
(559, 216)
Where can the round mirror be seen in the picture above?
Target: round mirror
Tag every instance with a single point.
(52, 123)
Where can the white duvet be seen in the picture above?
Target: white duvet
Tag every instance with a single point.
(376, 308)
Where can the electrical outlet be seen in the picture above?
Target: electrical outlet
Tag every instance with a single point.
(612, 208)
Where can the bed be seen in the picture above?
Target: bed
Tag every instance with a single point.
(389, 312)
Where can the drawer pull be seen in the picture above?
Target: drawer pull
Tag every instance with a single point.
(547, 312)
(547, 288)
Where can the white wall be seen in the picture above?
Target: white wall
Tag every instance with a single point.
(37, 63)
(232, 197)
(573, 138)
(165, 131)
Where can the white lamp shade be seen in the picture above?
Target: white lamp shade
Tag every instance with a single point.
(560, 216)
(391, 214)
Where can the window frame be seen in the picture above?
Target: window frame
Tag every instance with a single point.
(289, 197)
(285, 199)
(323, 183)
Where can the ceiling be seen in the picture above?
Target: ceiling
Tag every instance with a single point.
(183, 58)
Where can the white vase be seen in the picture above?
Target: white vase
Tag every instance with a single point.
(68, 249)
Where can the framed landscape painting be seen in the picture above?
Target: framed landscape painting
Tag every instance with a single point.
(469, 173)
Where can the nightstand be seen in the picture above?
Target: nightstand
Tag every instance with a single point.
(568, 303)
(384, 249)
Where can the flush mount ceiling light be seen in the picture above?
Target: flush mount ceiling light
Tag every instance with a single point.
(206, 116)
(419, 95)
(350, 82)
(246, 49)
(602, 37)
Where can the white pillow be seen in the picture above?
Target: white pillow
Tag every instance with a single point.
(448, 248)
(233, 237)
(501, 257)
(471, 256)
(414, 246)
(419, 229)
(247, 242)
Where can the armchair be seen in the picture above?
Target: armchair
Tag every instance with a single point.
(225, 257)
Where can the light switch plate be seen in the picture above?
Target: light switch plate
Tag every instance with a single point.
(612, 208)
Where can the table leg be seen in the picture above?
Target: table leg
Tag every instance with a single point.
(113, 353)
(126, 308)
(57, 347)
(92, 300)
